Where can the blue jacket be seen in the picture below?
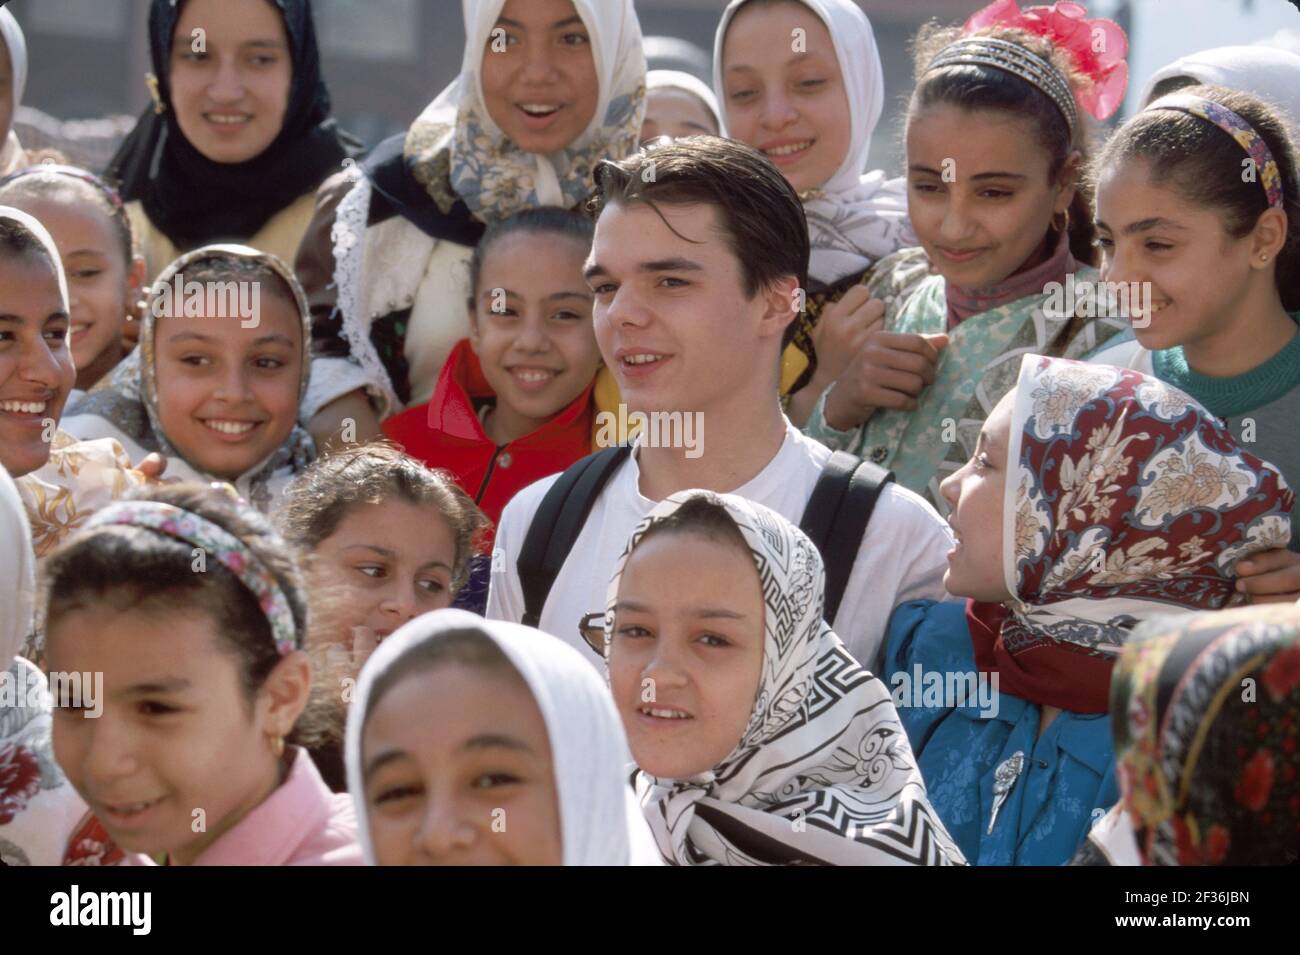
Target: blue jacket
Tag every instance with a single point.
(1068, 776)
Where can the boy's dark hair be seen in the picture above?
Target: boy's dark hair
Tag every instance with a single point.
(762, 218)
(137, 569)
(1204, 164)
(467, 647)
(318, 499)
(56, 185)
(545, 220)
(976, 87)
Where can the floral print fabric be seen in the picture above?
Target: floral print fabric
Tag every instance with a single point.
(1125, 493)
(1206, 713)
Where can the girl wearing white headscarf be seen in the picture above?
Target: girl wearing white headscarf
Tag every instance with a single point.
(676, 81)
(823, 774)
(600, 823)
(855, 217)
(1271, 74)
(38, 808)
(12, 156)
(384, 261)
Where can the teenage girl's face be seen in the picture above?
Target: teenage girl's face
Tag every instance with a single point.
(36, 370)
(177, 742)
(675, 113)
(479, 791)
(102, 285)
(539, 76)
(786, 100)
(386, 563)
(687, 652)
(975, 496)
(231, 96)
(228, 395)
(531, 325)
(979, 194)
(1148, 233)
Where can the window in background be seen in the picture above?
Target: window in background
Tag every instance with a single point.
(93, 19)
(386, 30)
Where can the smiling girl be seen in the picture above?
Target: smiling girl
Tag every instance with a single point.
(1096, 498)
(93, 234)
(514, 401)
(214, 389)
(801, 81)
(760, 741)
(1220, 251)
(996, 134)
(61, 480)
(547, 88)
(487, 743)
(195, 757)
(239, 134)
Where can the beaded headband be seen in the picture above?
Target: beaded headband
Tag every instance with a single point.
(1245, 135)
(229, 551)
(75, 172)
(1014, 59)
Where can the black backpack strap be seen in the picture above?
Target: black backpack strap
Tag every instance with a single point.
(557, 524)
(837, 515)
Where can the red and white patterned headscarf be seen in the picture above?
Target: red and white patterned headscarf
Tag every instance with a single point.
(1124, 498)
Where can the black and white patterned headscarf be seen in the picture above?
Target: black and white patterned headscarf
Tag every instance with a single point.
(823, 774)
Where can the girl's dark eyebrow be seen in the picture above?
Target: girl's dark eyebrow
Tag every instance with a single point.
(169, 685)
(496, 741)
(276, 339)
(382, 760)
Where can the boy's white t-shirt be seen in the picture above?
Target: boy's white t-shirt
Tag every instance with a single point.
(903, 555)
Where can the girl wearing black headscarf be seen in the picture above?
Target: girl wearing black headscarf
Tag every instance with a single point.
(239, 135)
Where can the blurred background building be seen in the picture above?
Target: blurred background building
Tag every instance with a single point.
(386, 59)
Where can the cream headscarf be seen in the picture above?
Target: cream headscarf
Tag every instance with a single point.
(126, 408)
(11, 157)
(854, 218)
(456, 139)
(599, 820)
(677, 80)
(1271, 74)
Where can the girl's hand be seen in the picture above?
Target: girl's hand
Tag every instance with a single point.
(152, 467)
(890, 371)
(1270, 577)
(842, 331)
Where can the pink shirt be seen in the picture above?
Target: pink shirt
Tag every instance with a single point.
(301, 823)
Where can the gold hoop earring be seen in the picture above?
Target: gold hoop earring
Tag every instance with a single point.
(277, 746)
(1065, 223)
(155, 93)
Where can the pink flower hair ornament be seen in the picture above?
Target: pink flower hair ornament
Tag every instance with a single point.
(1096, 48)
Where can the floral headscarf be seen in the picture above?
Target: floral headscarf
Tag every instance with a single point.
(455, 142)
(823, 747)
(1124, 498)
(1206, 716)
